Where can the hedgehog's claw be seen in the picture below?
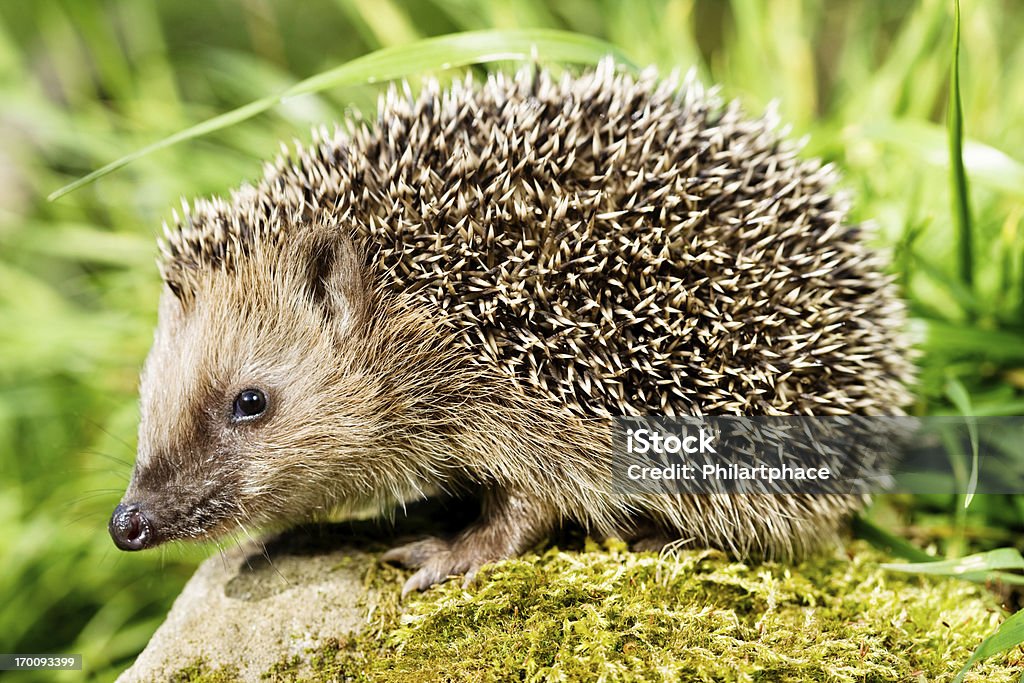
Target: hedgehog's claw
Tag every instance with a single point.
(437, 561)
(438, 570)
(422, 580)
(415, 583)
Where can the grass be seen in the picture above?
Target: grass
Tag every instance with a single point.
(958, 174)
(388, 64)
(85, 83)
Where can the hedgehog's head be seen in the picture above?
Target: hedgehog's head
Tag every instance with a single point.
(257, 396)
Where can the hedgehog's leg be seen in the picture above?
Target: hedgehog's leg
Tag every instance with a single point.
(510, 523)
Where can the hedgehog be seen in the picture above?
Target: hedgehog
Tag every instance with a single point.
(457, 297)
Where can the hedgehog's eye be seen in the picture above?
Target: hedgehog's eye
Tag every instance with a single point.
(250, 404)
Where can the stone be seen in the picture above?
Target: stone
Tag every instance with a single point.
(317, 605)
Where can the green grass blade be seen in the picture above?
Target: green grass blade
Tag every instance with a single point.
(984, 568)
(210, 125)
(980, 568)
(1009, 634)
(887, 542)
(445, 52)
(957, 393)
(993, 560)
(961, 200)
(461, 49)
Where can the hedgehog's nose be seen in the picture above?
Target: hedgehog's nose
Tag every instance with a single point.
(129, 528)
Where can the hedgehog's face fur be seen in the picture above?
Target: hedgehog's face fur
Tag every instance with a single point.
(212, 458)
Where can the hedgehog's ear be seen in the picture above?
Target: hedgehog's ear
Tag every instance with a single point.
(335, 278)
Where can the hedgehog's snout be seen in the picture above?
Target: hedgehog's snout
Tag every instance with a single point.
(130, 528)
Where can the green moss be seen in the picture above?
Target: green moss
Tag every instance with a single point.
(201, 672)
(623, 616)
(287, 669)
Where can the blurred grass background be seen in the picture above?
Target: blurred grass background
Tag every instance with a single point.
(84, 82)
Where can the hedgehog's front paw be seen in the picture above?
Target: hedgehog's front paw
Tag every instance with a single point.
(436, 561)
